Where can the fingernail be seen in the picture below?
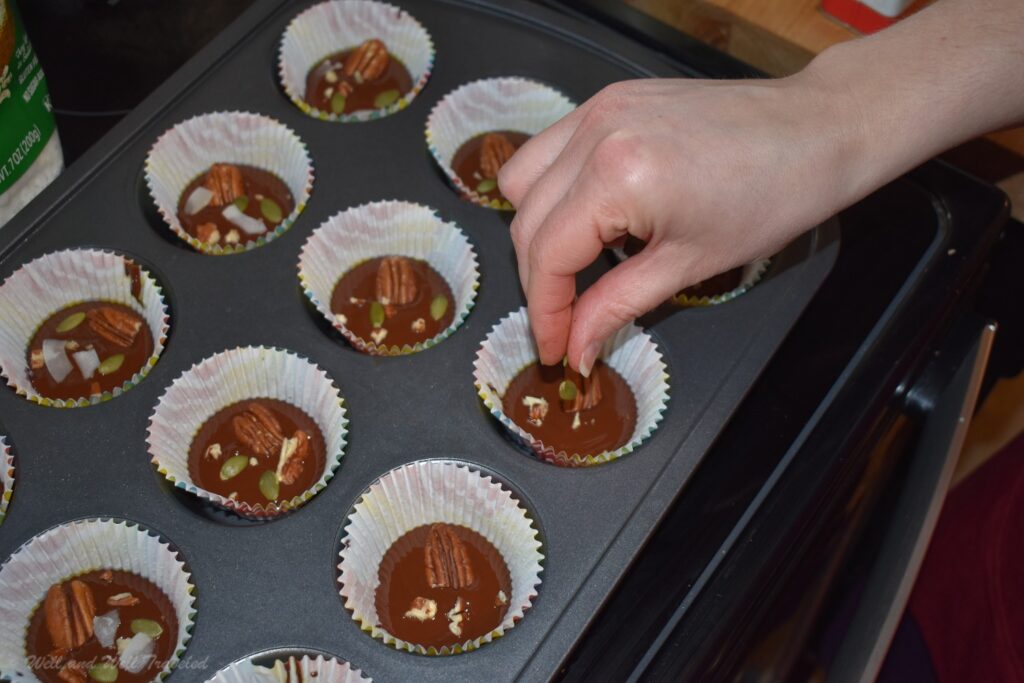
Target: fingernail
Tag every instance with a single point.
(587, 359)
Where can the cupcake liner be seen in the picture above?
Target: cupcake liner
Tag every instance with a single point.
(6, 477)
(236, 375)
(338, 25)
(752, 274)
(486, 106)
(426, 492)
(191, 147)
(308, 667)
(59, 279)
(75, 548)
(630, 352)
(388, 228)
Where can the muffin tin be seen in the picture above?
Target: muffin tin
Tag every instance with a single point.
(274, 584)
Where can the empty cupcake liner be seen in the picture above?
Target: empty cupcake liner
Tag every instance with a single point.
(294, 667)
(486, 106)
(191, 147)
(752, 274)
(75, 548)
(338, 25)
(388, 228)
(6, 477)
(631, 352)
(60, 279)
(426, 492)
(227, 378)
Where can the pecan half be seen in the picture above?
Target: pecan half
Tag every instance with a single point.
(588, 393)
(114, 325)
(447, 562)
(367, 62)
(69, 610)
(259, 431)
(226, 183)
(396, 281)
(294, 453)
(495, 150)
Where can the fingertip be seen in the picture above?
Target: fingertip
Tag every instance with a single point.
(551, 332)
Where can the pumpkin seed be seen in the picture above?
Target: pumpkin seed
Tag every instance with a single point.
(438, 307)
(147, 626)
(376, 314)
(486, 185)
(242, 203)
(71, 322)
(338, 103)
(386, 98)
(270, 210)
(233, 466)
(104, 672)
(112, 364)
(270, 487)
(567, 390)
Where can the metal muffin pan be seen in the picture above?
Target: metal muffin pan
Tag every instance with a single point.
(274, 585)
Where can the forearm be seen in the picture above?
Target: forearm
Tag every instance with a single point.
(949, 73)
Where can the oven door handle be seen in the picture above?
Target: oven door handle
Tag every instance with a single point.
(891, 579)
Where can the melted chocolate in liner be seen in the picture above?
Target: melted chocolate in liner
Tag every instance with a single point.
(219, 429)
(320, 90)
(403, 578)
(360, 285)
(76, 386)
(258, 184)
(605, 427)
(153, 605)
(716, 285)
(466, 162)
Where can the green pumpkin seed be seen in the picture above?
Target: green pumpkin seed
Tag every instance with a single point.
(112, 364)
(241, 203)
(486, 185)
(233, 466)
(104, 672)
(270, 210)
(438, 307)
(270, 487)
(386, 98)
(338, 102)
(376, 314)
(567, 390)
(71, 322)
(147, 626)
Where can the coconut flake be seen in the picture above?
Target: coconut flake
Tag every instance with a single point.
(105, 627)
(56, 359)
(137, 653)
(248, 224)
(87, 361)
(198, 200)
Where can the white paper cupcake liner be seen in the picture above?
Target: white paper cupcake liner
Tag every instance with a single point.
(426, 492)
(486, 106)
(388, 228)
(631, 352)
(237, 375)
(299, 668)
(76, 548)
(6, 477)
(338, 25)
(191, 147)
(60, 279)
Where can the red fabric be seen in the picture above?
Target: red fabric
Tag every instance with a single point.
(969, 596)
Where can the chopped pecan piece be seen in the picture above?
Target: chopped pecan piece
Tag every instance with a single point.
(588, 391)
(208, 233)
(259, 431)
(122, 600)
(226, 183)
(69, 610)
(114, 325)
(538, 409)
(367, 62)
(106, 576)
(73, 672)
(495, 150)
(422, 609)
(447, 562)
(396, 282)
(294, 453)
